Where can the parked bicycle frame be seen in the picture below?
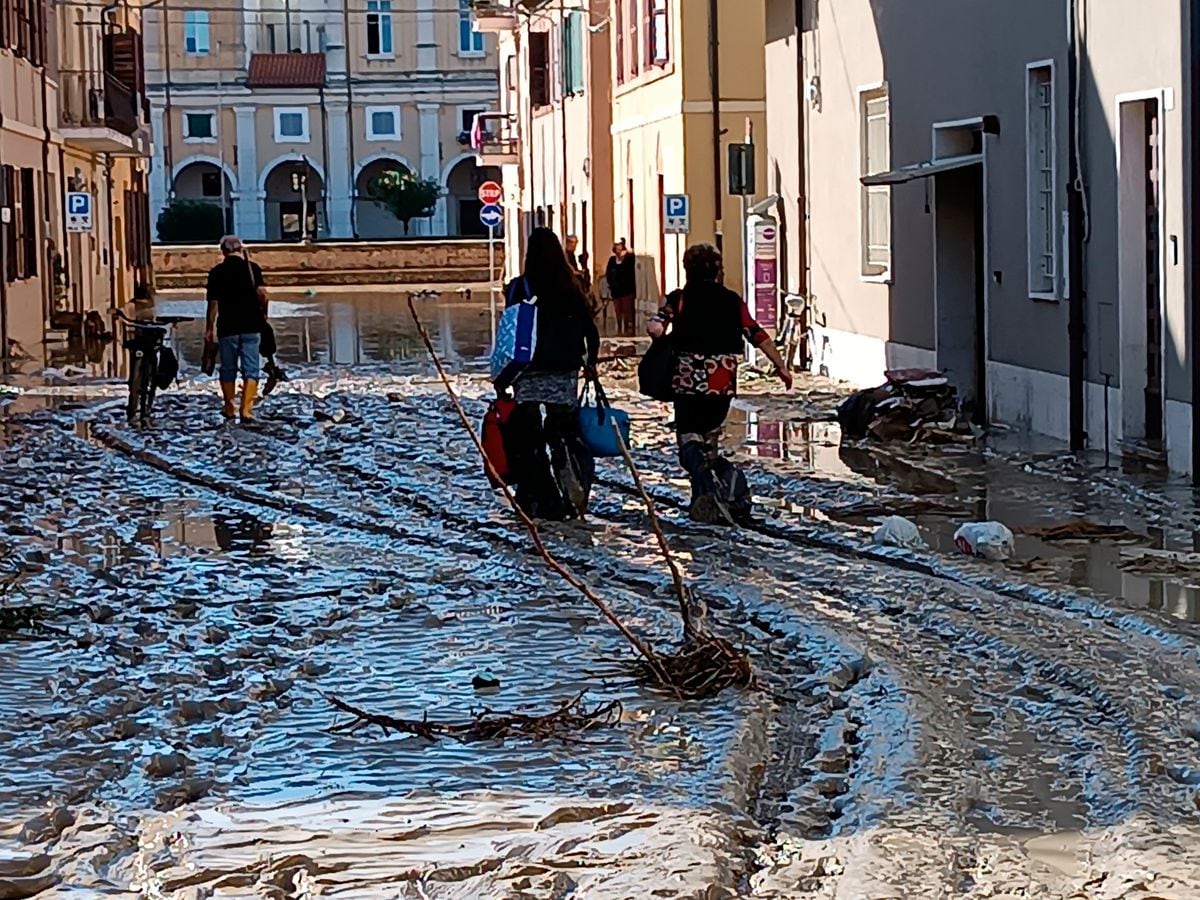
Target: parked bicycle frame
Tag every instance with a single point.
(152, 364)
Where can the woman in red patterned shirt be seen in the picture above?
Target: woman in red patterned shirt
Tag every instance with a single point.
(710, 326)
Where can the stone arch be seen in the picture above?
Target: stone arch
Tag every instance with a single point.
(205, 179)
(284, 209)
(370, 219)
(460, 181)
(201, 158)
(381, 157)
(265, 172)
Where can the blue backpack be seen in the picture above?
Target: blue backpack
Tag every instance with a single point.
(516, 336)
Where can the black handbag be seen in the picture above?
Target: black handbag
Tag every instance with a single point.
(656, 371)
(208, 359)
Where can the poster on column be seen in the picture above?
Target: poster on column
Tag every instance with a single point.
(765, 265)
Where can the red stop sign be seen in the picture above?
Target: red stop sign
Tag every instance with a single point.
(490, 193)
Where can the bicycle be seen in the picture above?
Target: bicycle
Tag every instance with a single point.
(793, 339)
(152, 364)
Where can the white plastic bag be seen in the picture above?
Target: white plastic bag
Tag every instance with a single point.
(987, 540)
(897, 531)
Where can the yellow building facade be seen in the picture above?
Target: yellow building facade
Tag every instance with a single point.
(74, 121)
(655, 101)
(251, 97)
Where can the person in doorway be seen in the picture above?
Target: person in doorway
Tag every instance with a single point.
(709, 324)
(621, 274)
(236, 300)
(550, 464)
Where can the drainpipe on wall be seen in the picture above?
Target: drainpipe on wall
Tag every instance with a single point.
(325, 163)
(1193, 273)
(112, 235)
(350, 120)
(714, 74)
(4, 201)
(1076, 297)
(801, 229)
(47, 188)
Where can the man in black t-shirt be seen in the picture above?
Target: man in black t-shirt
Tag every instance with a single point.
(237, 298)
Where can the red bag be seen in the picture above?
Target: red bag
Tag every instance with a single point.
(495, 421)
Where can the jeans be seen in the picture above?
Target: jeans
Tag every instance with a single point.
(240, 349)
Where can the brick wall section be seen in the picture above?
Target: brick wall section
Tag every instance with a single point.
(357, 263)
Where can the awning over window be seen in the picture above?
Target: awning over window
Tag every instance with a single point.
(923, 170)
(287, 70)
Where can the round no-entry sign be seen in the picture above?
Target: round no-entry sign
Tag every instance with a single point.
(490, 193)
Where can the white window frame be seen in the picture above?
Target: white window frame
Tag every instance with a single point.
(464, 12)
(1041, 286)
(280, 137)
(212, 115)
(372, 135)
(476, 108)
(382, 14)
(196, 25)
(869, 271)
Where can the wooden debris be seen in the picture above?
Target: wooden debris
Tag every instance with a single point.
(567, 720)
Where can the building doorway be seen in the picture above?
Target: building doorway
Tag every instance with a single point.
(1140, 273)
(960, 288)
(292, 187)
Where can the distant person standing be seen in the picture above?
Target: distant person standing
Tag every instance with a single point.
(237, 298)
(578, 263)
(621, 274)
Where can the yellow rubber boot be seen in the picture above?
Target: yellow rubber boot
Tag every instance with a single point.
(249, 392)
(229, 392)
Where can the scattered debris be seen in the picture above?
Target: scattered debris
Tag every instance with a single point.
(1080, 530)
(913, 405)
(986, 540)
(897, 531)
(569, 719)
(485, 681)
(1162, 563)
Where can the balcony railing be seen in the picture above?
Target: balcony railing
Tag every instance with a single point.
(494, 140)
(494, 16)
(100, 112)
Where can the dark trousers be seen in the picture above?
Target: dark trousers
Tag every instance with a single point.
(699, 419)
(544, 454)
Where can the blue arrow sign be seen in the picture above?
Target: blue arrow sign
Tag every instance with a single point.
(491, 216)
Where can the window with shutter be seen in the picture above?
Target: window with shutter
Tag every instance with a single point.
(572, 53)
(876, 201)
(619, 34)
(658, 48)
(12, 204)
(539, 68)
(631, 38)
(29, 224)
(1040, 181)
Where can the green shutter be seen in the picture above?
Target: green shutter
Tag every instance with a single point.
(572, 53)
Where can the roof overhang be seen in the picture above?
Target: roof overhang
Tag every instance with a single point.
(923, 170)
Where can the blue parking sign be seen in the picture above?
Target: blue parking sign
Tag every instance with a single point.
(676, 214)
(79, 211)
(491, 216)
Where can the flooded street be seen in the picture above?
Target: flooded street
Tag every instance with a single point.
(194, 594)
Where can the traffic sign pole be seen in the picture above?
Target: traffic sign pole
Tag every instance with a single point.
(492, 279)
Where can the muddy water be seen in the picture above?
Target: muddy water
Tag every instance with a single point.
(960, 733)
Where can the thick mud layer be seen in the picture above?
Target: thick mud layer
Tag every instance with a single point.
(195, 591)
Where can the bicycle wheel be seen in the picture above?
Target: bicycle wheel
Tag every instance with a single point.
(133, 407)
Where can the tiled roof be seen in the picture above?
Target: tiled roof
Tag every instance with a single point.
(287, 70)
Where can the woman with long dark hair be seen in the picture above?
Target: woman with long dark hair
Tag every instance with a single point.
(552, 468)
(710, 326)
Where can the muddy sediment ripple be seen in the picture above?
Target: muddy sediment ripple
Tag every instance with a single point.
(950, 738)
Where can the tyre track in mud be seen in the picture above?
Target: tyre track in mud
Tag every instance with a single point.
(1147, 776)
(931, 635)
